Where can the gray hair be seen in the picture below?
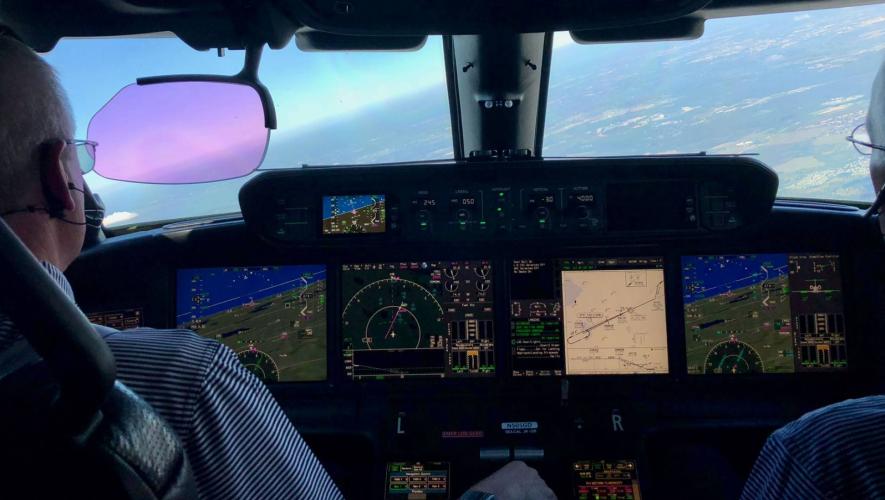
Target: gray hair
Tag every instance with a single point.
(33, 109)
(876, 129)
(876, 114)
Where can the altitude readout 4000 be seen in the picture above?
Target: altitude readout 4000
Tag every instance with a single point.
(418, 319)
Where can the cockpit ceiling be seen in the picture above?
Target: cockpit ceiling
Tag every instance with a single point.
(213, 24)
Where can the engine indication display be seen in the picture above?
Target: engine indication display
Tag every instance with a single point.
(763, 313)
(273, 318)
(418, 319)
(354, 214)
(588, 317)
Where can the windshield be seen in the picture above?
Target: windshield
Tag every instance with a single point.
(332, 108)
(789, 87)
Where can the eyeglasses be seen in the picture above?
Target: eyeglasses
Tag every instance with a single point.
(85, 153)
(861, 140)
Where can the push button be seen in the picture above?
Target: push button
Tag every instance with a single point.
(495, 454)
(528, 453)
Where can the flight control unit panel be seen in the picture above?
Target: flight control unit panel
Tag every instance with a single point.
(575, 199)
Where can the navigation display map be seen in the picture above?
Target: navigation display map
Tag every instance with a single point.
(600, 316)
(274, 318)
(411, 319)
(763, 313)
(353, 214)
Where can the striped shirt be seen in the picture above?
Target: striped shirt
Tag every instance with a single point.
(834, 452)
(239, 442)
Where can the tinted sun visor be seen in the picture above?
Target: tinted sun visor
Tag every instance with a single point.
(180, 132)
(185, 129)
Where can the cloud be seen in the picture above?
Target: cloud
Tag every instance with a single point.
(119, 217)
(832, 109)
(874, 20)
(872, 34)
(724, 109)
(836, 101)
(802, 89)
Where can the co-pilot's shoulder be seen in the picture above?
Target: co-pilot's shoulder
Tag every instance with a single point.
(861, 413)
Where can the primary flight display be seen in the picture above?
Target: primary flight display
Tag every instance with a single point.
(354, 214)
(272, 317)
(763, 313)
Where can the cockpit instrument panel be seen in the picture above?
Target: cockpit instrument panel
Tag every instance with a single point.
(606, 479)
(413, 319)
(417, 481)
(763, 313)
(273, 317)
(599, 316)
(354, 214)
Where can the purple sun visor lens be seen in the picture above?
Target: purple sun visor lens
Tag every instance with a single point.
(180, 133)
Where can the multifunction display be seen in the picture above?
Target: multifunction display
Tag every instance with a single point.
(608, 479)
(417, 481)
(274, 318)
(763, 313)
(599, 316)
(353, 214)
(411, 319)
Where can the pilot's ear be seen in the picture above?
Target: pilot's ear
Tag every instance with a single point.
(55, 178)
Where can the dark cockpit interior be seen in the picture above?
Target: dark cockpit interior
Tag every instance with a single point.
(630, 325)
